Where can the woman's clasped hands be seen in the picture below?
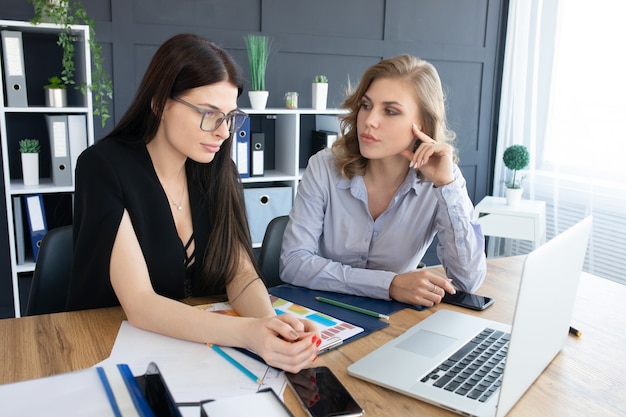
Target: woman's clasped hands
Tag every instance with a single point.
(284, 341)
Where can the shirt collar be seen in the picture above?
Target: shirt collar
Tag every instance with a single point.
(356, 185)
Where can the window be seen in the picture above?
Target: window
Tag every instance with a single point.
(564, 96)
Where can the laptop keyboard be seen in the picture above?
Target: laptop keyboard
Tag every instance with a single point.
(475, 370)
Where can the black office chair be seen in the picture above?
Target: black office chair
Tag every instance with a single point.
(51, 279)
(269, 255)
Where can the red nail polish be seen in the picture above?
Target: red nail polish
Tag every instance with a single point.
(314, 338)
(313, 379)
(318, 343)
(314, 358)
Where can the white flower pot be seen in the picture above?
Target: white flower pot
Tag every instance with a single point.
(30, 168)
(258, 99)
(319, 95)
(513, 196)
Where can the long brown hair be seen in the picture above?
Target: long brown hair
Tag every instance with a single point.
(428, 93)
(184, 62)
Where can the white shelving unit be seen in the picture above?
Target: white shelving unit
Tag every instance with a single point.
(292, 129)
(16, 123)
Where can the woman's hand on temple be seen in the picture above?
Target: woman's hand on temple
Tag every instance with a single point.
(433, 159)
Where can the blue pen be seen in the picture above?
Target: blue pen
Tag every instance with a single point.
(235, 363)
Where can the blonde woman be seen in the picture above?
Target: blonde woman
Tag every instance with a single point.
(368, 209)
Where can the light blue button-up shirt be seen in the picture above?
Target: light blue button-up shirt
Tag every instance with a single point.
(332, 243)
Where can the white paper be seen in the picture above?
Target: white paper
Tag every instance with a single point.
(258, 405)
(59, 133)
(73, 394)
(34, 211)
(14, 56)
(192, 371)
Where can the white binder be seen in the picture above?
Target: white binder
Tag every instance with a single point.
(59, 150)
(20, 249)
(15, 76)
(257, 152)
(77, 137)
(242, 142)
(37, 224)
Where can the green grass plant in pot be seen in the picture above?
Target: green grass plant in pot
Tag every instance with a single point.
(29, 148)
(319, 92)
(515, 158)
(258, 48)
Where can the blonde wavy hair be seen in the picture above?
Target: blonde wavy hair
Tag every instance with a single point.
(428, 94)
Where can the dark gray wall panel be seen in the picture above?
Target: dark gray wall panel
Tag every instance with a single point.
(236, 14)
(354, 19)
(470, 173)
(462, 83)
(283, 76)
(441, 21)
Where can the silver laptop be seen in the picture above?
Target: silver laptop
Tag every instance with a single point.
(440, 360)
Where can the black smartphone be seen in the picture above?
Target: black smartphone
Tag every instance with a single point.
(468, 300)
(157, 394)
(322, 394)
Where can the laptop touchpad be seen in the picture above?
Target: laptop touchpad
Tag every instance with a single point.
(426, 343)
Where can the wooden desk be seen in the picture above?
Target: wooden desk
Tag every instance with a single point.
(586, 379)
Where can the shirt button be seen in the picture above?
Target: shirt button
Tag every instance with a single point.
(363, 258)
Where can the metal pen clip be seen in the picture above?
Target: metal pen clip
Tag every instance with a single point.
(335, 341)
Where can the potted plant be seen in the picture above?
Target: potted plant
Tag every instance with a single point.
(29, 148)
(258, 47)
(319, 92)
(66, 13)
(56, 92)
(515, 158)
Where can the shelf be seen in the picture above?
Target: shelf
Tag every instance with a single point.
(288, 144)
(279, 110)
(42, 57)
(268, 176)
(45, 187)
(43, 109)
(25, 267)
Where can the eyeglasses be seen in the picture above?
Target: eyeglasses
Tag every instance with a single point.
(213, 119)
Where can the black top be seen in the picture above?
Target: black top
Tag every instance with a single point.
(112, 176)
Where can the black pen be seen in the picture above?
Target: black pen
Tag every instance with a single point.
(575, 332)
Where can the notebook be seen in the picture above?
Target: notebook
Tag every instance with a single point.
(416, 363)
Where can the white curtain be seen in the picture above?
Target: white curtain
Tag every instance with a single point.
(564, 97)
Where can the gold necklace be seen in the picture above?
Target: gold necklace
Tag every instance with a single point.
(182, 192)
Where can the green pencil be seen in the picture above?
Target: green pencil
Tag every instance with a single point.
(353, 308)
